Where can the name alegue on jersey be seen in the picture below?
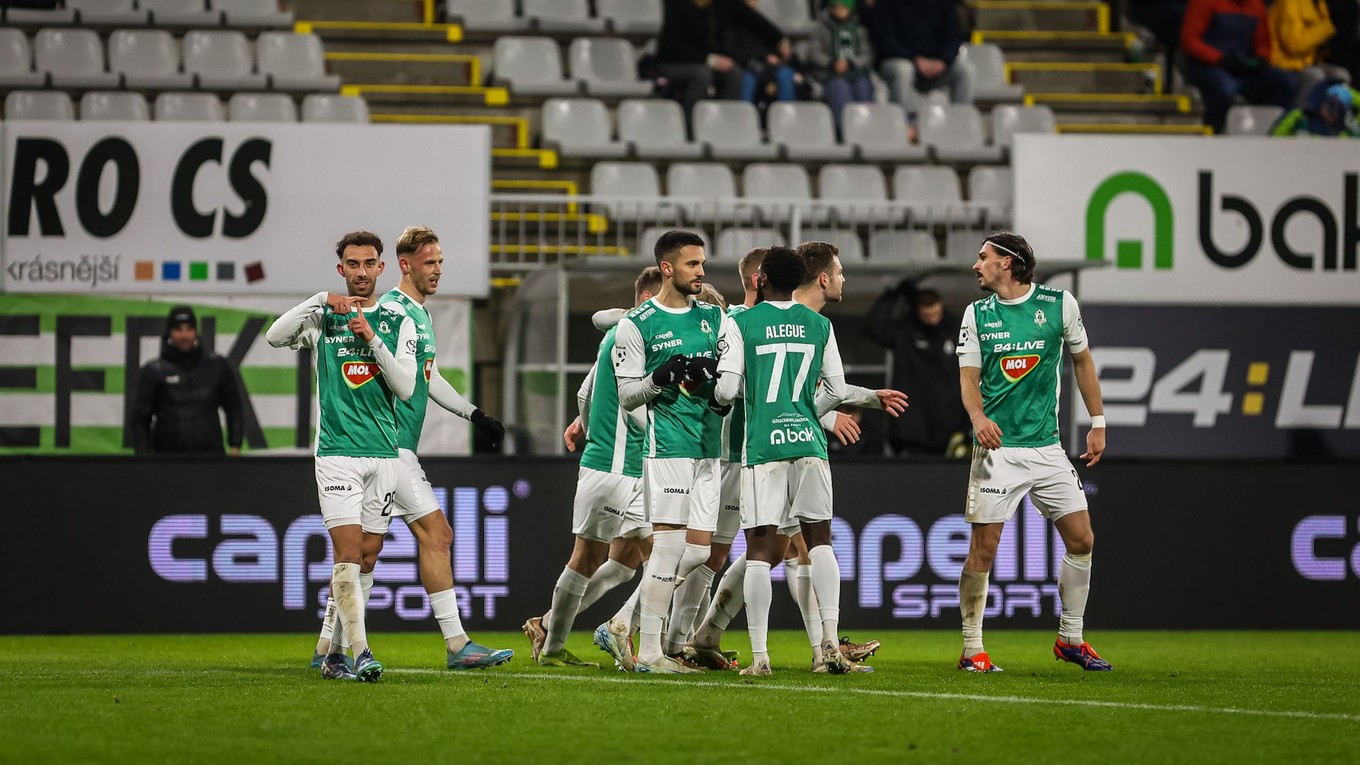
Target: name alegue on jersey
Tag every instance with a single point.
(776, 331)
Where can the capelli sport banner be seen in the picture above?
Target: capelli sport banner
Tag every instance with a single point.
(70, 364)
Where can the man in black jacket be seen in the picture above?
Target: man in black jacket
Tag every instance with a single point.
(178, 395)
(691, 49)
(917, 44)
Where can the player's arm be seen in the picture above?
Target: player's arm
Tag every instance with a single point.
(399, 369)
(731, 363)
(583, 393)
(969, 351)
(894, 402)
(842, 426)
(300, 326)
(443, 393)
(831, 393)
(607, 317)
(636, 387)
(1088, 382)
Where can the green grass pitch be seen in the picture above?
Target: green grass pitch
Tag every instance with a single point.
(1191, 697)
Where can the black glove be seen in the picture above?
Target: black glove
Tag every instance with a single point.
(1236, 63)
(701, 369)
(719, 409)
(488, 426)
(671, 372)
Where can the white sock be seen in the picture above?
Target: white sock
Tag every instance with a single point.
(727, 603)
(791, 577)
(349, 602)
(655, 593)
(807, 604)
(972, 602)
(1074, 584)
(685, 605)
(759, 595)
(606, 577)
(566, 601)
(826, 585)
(445, 607)
(366, 586)
(323, 643)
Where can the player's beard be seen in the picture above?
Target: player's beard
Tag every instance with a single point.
(691, 288)
(364, 291)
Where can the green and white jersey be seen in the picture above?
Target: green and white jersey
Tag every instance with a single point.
(778, 352)
(411, 412)
(679, 423)
(613, 436)
(1018, 344)
(734, 424)
(358, 405)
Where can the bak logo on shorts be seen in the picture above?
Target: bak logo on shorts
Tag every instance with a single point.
(358, 372)
(1016, 367)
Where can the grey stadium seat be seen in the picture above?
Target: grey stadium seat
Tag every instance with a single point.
(148, 60)
(991, 189)
(989, 82)
(961, 245)
(655, 127)
(486, 15)
(791, 16)
(531, 66)
(708, 188)
(1009, 119)
(294, 62)
(733, 243)
(252, 14)
(890, 247)
(855, 192)
(222, 60)
(1252, 120)
(16, 62)
(804, 130)
(845, 240)
(640, 17)
(39, 105)
(188, 107)
(180, 13)
(580, 127)
(879, 133)
(324, 107)
(607, 66)
(261, 107)
(731, 130)
(107, 13)
(115, 106)
(72, 58)
(647, 239)
(785, 182)
(934, 195)
(632, 189)
(954, 134)
(33, 17)
(562, 16)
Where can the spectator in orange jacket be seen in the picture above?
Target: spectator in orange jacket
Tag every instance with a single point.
(1299, 30)
(1227, 43)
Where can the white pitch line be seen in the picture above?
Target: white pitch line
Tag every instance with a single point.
(757, 684)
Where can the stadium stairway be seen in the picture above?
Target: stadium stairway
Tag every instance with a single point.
(1067, 58)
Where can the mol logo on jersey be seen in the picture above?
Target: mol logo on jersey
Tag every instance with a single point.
(791, 436)
(357, 373)
(428, 364)
(1016, 367)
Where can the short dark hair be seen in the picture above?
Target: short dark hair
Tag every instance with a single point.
(817, 259)
(357, 239)
(926, 297)
(672, 242)
(783, 269)
(648, 281)
(750, 264)
(1014, 246)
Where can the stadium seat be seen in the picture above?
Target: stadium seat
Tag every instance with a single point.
(579, 127)
(933, 195)
(954, 134)
(531, 66)
(731, 130)
(222, 60)
(261, 107)
(632, 188)
(655, 128)
(107, 13)
(961, 245)
(72, 58)
(767, 182)
(293, 62)
(631, 17)
(16, 62)
(180, 13)
(39, 105)
(562, 16)
(992, 191)
(804, 130)
(878, 132)
(734, 243)
(148, 59)
(253, 14)
(1009, 119)
(39, 17)
(1252, 120)
(116, 106)
(791, 16)
(854, 192)
(486, 15)
(324, 107)
(889, 247)
(606, 66)
(707, 187)
(845, 240)
(188, 107)
(647, 239)
(989, 65)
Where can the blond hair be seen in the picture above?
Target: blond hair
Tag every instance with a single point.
(710, 294)
(413, 239)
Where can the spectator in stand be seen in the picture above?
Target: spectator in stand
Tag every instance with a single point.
(1227, 43)
(1162, 18)
(1299, 30)
(840, 55)
(914, 325)
(916, 43)
(770, 71)
(689, 50)
(177, 396)
(1331, 111)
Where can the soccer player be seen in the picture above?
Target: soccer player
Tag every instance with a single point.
(1010, 365)
(658, 347)
(773, 355)
(365, 364)
(421, 260)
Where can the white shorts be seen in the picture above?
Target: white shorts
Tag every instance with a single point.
(780, 493)
(355, 490)
(414, 497)
(602, 501)
(682, 491)
(635, 523)
(729, 503)
(1000, 478)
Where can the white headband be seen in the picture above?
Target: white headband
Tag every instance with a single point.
(1007, 250)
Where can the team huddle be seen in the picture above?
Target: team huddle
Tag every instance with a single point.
(697, 421)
